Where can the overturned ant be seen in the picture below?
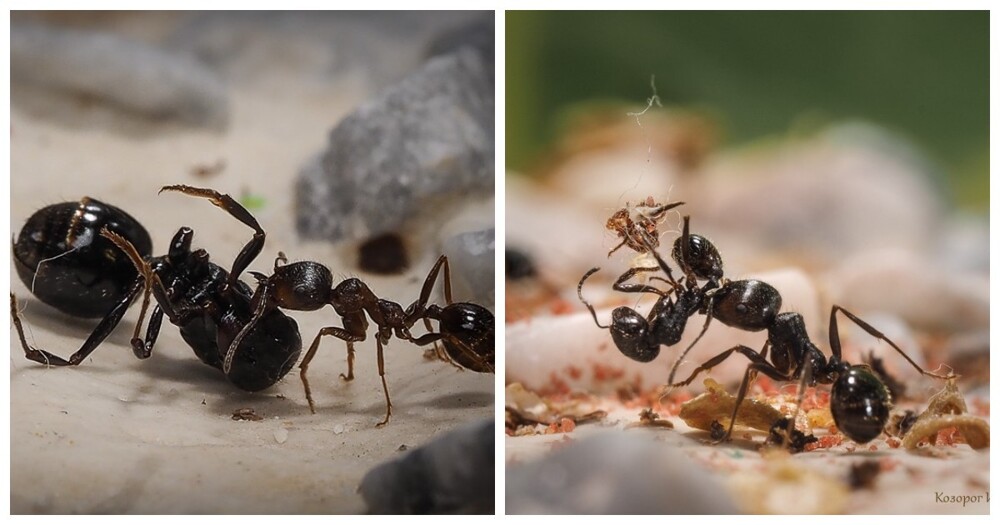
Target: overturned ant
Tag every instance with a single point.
(466, 329)
(107, 262)
(860, 401)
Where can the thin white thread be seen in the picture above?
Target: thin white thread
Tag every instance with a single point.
(654, 99)
(43, 261)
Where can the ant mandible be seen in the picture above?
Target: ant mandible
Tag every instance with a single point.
(859, 402)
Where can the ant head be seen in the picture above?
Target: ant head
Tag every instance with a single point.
(701, 260)
(469, 331)
(860, 403)
(629, 330)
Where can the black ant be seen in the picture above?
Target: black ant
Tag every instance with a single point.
(210, 305)
(859, 401)
(466, 329)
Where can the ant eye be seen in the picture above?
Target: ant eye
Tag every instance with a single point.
(742, 308)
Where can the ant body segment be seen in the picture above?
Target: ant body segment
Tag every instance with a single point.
(859, 401)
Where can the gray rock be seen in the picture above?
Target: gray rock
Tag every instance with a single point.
(421, 145)
(382, 46)
(127, 75)
(452, 474)
(472, 259)
(478, 35)
(615, 473)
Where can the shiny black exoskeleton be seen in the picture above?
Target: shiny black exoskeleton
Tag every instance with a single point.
(210, 305)
(859, 401)
(465, 329)
(62, 258)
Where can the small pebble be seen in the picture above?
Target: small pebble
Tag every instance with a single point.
(338, 429)
(281, 435)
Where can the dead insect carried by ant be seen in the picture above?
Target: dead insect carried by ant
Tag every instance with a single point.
(860, 401)
(229, 325)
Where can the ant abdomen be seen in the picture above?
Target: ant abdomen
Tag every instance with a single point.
(860, 404)
(473, 327)
(62, 258)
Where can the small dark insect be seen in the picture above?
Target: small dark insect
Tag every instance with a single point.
(209, 305)
(246, 414)
(784, 434)
(862, 474)
(860, 400)
(383, 254)
(717, 431)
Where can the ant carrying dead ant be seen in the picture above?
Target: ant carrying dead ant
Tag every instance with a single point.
(860, 401)
(229, 325)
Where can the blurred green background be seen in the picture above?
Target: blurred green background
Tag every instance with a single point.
(923, 75)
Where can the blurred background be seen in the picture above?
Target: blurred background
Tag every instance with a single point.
(763, 75)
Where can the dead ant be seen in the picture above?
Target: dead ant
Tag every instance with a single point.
(860, 401)
(209, 305)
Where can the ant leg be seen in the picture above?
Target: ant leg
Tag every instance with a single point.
(661, 263)
(385, 386)
(482, 364)
(252, 248)
(142, 349)
(803, 383)
(752, 369)
(339, 333)
(660, 212)
(704, 328)
(425, 294)
(750, 354)
(621, 286)
(100, 333)
(579, 293)
(835, 340)
(616, 248)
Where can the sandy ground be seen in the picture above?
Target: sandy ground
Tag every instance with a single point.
(119, 435)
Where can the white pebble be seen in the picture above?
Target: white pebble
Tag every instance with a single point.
(281, 435)
(338, 429)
